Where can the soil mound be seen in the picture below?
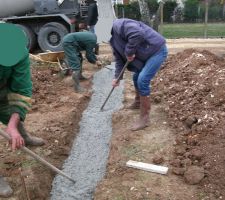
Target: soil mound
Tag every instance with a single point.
(192, 86)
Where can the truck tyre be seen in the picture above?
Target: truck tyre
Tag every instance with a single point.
(50, 36)
(31, 37)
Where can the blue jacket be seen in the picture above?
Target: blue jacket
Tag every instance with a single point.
(133, 37)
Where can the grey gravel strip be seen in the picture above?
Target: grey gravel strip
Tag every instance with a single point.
(87, 161)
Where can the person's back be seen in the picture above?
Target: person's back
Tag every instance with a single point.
(73, 44)
(82, 40)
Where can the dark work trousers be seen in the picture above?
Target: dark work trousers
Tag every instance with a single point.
(5, 113)
(72, 55)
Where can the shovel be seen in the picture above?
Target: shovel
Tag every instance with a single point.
(117, 80)
(38, 158)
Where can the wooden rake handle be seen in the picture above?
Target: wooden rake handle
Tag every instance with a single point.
(117, 80)
(38, 158)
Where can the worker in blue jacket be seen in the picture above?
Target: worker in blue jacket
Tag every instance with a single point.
(146, 50)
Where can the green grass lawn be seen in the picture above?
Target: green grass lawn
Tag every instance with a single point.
(193, 30)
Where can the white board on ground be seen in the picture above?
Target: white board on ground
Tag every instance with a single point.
(105, 20)
(147, 167)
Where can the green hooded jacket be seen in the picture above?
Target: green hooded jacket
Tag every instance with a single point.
(15, 76)
(84, 41)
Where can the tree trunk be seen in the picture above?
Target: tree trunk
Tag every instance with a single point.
(206, 18)
(145, 15)
(223, 9)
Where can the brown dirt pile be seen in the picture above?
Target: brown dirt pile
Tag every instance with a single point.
(191, 85)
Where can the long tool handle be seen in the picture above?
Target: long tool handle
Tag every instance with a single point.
(117, 80)
(38, 158)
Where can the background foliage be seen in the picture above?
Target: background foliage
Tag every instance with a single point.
(193, 11)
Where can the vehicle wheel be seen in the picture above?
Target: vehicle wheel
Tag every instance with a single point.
(50, 36)
(31, 37)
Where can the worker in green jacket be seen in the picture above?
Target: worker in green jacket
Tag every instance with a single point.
(15, 88)
(73, 44)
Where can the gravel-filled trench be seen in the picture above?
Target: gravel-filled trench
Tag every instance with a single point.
(88, 157)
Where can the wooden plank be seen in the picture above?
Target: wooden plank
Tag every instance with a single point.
(147, 167)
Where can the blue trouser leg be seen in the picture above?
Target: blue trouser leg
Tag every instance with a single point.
(73, 56)
(143, 78)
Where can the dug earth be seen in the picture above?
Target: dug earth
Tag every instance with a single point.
(186, 132)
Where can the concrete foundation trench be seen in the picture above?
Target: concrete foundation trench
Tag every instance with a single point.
(88, 157)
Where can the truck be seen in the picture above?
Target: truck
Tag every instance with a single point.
(44, 22)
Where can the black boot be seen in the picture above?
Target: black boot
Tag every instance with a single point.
(97, 49)
(81, 77)
(76, 79)
(29, 140)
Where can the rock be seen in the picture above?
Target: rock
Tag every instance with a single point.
(207, 166)
(178, 171)
(186, 162)
(180, 150)
(196, 154)
(5, 189)
(176, 163)
(193, 140)
(194, 175)
(157, 99)
(190, 121)
(187, 155)
(180, 139)
(157, 159)
(64, 99)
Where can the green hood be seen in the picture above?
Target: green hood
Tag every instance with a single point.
(12, 44)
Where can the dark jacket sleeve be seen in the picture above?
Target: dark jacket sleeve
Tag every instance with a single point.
(90, 55)
(119, 64)
(20, 88)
